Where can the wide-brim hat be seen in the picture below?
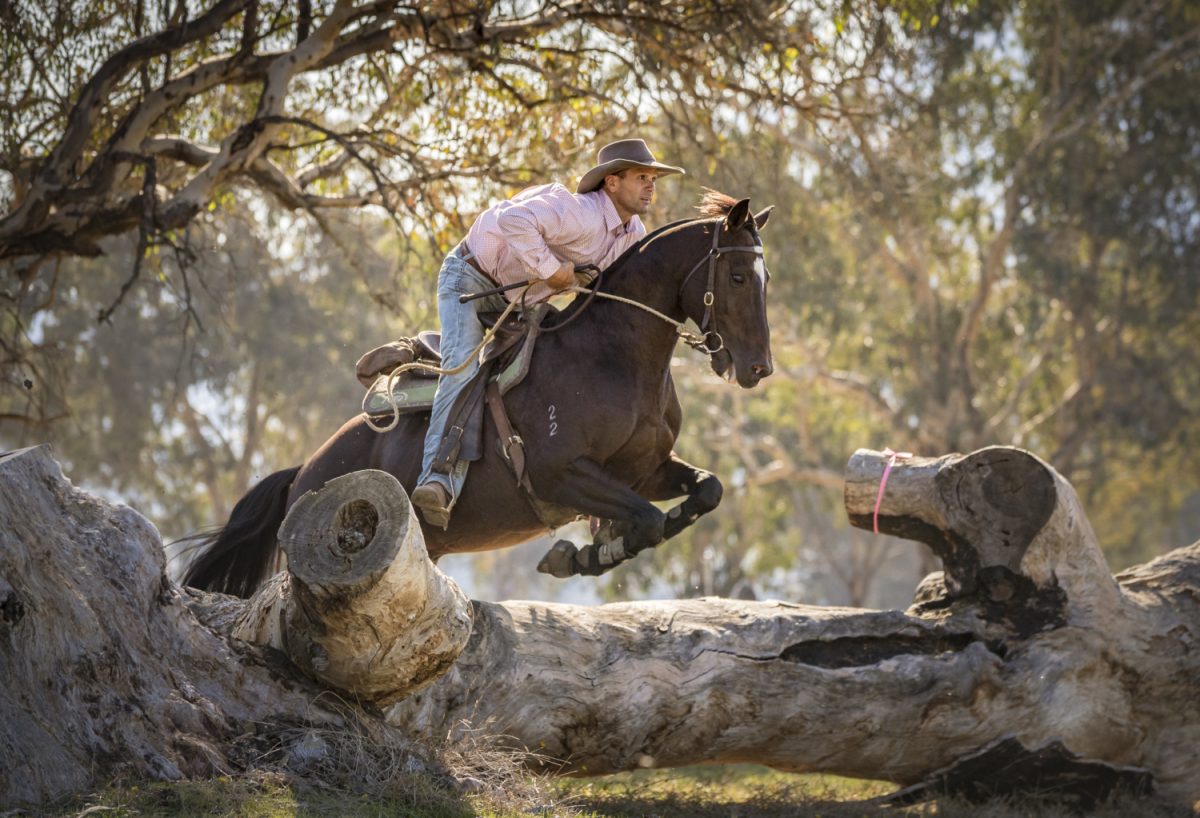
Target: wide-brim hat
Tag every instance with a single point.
(616, 157)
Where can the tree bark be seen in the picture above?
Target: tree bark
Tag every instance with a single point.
(105, 671)
(360, 607)
(1025, 656)
(1024, 666)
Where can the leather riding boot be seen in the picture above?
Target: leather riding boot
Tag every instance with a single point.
(434, 501)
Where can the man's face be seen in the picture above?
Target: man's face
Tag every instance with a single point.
(632, 191)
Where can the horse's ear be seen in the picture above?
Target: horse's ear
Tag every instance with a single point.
(736, 218)
(761, 217)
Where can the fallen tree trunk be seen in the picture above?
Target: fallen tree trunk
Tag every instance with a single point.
(360, 607)
(1024, 656)
(1023, 667)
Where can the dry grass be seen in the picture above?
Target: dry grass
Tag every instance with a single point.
(750, 791)
(478, 777)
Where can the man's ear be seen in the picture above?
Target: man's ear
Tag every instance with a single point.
(762, 216)
(737, 216)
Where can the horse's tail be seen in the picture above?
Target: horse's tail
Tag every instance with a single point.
(235, 559)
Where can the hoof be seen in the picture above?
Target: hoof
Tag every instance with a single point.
(559, 560)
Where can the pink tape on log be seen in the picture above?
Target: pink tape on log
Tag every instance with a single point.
(891, 456)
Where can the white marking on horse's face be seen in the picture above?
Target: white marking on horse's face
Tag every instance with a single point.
(760, 270)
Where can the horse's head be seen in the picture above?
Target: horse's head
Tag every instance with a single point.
(725, 294)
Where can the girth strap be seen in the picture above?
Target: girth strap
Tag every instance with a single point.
(512, 447)
(511, 444)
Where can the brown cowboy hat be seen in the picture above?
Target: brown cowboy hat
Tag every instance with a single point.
(616, 157)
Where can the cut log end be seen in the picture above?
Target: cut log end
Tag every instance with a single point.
(364, 609)
(336, 545)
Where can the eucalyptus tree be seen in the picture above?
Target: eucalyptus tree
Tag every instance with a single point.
(125, 117)
(998, 247)
(147, 119)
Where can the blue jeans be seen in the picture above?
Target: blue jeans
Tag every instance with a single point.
(461, 333)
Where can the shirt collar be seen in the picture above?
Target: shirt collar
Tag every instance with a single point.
(612, 219)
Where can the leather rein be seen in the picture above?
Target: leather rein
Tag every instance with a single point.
(697, 342)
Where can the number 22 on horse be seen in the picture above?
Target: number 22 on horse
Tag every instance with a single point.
(597, 412)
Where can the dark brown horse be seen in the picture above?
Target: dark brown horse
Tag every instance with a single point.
(598, 414)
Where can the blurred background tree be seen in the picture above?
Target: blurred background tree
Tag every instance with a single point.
(984, 233)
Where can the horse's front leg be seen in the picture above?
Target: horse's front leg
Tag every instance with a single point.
(675, 478)
(586, 487)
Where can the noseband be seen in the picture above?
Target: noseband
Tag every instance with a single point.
(710, 293)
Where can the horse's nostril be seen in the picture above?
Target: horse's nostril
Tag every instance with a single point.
(761, 370)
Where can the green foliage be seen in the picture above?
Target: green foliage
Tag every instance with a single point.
(1002, 251)
(222, 368)
(984, 233)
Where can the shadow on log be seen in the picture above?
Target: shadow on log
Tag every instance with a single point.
(1023, 667)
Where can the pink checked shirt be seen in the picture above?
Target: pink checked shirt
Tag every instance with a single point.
(530, 235)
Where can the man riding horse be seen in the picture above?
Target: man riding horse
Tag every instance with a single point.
(599, 444)
(539, 236)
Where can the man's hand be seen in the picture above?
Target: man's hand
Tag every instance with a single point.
(563, 277)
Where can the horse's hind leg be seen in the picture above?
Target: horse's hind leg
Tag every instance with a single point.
(675, 478)
(586, 487)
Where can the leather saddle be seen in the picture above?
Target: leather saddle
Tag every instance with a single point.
(508, 355)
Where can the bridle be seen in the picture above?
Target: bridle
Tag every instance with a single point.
(715, 252)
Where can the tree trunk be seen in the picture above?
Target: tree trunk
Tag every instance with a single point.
(360, 607)
(1025, 656)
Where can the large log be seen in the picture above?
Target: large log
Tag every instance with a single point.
(360, 607)
(1024, 656)
(104, 671)
(1024, 667)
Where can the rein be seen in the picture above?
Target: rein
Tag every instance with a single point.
(689, 338)
(696, 342)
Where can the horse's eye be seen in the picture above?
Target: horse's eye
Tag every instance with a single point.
(738, 278)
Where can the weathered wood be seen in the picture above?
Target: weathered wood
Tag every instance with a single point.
(361, 607)
(1025, 654)
(103, 669)
(1010, 531)
(1026, 642)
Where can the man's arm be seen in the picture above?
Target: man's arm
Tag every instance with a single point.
(531, 225)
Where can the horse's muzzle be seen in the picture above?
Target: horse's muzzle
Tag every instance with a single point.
(746, 377)
(751, 375)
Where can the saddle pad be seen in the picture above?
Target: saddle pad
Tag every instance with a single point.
(412, 394)
(414, 391)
